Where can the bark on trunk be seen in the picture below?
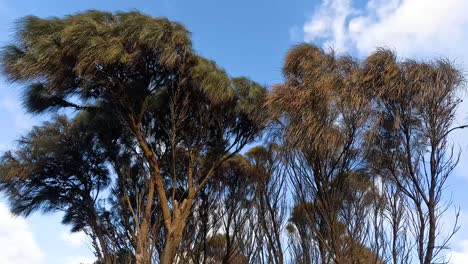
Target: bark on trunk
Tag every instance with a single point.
(142, 252)
(173, 240)
(175, 231)
(170, 248)
(431, 235)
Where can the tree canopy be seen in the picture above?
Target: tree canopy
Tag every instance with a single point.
(170, 105)
(155, 162)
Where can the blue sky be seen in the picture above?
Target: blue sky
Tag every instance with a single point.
(248, 38)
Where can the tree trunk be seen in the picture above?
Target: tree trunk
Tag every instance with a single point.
(142, 255)
(175, 231)
(173, 239)
(431, 235)
(170, 248)
(105, 252)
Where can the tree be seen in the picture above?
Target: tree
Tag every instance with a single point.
(147, 163)
(323, 112)
(416, 105)
(236, 206)
(175, 105)
(269, 180)
(380, 123)
(59, 167)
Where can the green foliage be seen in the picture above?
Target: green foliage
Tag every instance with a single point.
(147, 106)
(155, 137)
(59, 166)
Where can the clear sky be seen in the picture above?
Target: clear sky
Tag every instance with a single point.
(249, 38)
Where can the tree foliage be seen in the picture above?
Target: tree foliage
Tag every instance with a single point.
(152, 162)
(171, 106)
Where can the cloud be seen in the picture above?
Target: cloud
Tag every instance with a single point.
(76, 239)
(412, 27)
(17, 242)
(460, 255)
(12, 106)
(4, 147)
(328, 24)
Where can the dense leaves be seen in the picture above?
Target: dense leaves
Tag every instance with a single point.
(167, 107)
(150, 164)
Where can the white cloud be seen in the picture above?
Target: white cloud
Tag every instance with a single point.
(12, 106)
(17, 242)
(412, 27)
(460, 256)
(76, 239)
(5, 147)
(328, 24)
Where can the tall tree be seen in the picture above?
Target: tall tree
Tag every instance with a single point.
(324, 113)
(59, 167)
(382, 122)
(270, 198)
(177, 106)
(148, 163)
(416, 102)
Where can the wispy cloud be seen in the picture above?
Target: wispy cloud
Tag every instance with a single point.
(17, 242)
(76, 239)
(328, 24)
(12, 106)
(412, 27)
(460, 255)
